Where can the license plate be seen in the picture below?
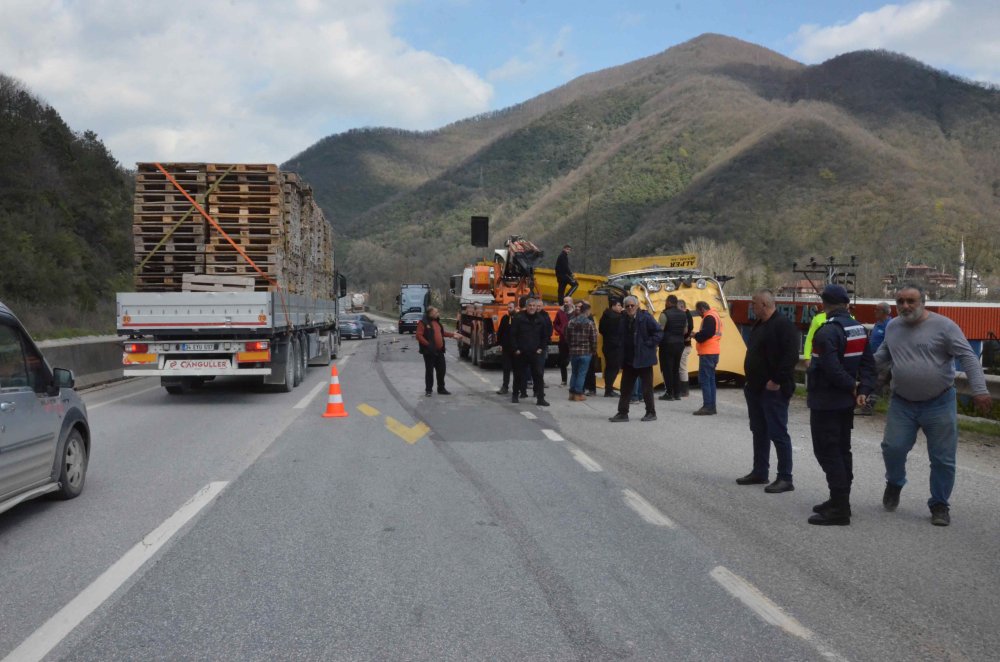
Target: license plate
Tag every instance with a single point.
(197, 347)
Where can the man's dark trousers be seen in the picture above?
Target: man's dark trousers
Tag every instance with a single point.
(670, 366)
(831, 437)
(535, 363)
(629, 375)
(434, 362)
(566, 288)
(611, 367)
(507, 357)
(768, 412)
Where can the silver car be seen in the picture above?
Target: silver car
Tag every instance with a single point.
(44, 433)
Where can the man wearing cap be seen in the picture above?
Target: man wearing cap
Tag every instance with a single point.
(921, 347)
(564, 275)
(840, 357)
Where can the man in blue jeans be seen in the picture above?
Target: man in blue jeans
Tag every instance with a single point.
(708, 343)
(769, 366)
(921, 348)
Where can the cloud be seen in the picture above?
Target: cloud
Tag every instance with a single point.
(960, 37)
(542, 54)
(242, 81)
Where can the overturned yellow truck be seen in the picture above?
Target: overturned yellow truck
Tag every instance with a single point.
(651, 280)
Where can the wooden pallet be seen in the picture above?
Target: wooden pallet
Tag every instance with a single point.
(209, 283)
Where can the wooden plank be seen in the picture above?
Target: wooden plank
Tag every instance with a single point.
(214, 283)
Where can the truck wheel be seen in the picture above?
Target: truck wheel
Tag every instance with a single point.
(72, 466)
(296, 362)
(289, 383)
(463, 351)
(175, 389)
(475, 347)
(304, 356)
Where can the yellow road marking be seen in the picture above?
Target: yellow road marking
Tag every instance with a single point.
(368, 410)
(408, 434)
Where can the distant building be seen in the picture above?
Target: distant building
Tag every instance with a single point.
(938, 284)
(800, 289)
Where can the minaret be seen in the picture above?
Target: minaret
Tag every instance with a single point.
(961, 266)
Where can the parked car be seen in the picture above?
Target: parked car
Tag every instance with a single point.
(44, 432)
(408, 322)
(357, 326)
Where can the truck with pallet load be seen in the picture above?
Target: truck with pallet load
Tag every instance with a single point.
(483, 291)
(235, 276)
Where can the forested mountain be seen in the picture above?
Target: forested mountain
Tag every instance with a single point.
(65, 209)
(870, 154)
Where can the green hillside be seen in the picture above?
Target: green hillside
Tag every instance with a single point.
(869, 154)
(65, 212)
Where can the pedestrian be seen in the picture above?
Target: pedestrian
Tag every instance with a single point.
(840, 358)
(818, 320)
(506, 347)
(883, 315)
(563, 316)
(530, 333)
(582, 338)
(684, 375)
(641, 336)
(564, 275)
(675, 326)
(921, 348)
(708, 342)
(611, 345)
(430, 334)
(769, 366)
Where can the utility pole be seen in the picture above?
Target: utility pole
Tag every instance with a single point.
(830, 273)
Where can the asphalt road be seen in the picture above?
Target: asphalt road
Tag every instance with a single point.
(466, 527)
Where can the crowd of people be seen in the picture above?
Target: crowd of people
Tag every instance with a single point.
(913, 355)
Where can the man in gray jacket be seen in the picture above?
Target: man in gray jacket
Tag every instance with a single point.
(921, 348)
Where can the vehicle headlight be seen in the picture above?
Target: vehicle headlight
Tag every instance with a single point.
(669, 286)
(652, 286)
(701, 284)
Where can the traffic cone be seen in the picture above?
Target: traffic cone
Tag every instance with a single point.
(334, 402)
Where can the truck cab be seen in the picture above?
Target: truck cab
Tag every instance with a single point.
(413, 300)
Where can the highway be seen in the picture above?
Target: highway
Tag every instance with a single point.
(234, 523)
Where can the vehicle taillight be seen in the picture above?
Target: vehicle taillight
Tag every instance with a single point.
(136, 348)
(257, 346)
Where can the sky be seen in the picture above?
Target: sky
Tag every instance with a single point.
(260, 81)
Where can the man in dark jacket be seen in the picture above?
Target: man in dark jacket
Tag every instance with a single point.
(641, 336)
(430, 335)
(530, 333)
(840, 356)
(564, 275)
(675, 325)
(772, 352)
(610, 327)
(506, 347)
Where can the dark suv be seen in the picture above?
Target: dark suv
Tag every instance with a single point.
(44, 433)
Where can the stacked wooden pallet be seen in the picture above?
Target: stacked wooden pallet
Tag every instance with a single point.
(270, 216)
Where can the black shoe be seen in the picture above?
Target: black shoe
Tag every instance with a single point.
(514, 399)
(779, 486)
(612, 394)
(677, 397)
(619, 418)
(832, 516)
(542, 403)
(648, 417)
(751, 479)
(890, 498)
(940, 515)
(503, 391)
(428, 393)
(705, 411)
(562, 384)
(820, 507)
(443, 391)
(590, 393)
(666, 396)
(524, 394)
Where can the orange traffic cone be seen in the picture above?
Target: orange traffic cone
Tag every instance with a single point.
(334, 402)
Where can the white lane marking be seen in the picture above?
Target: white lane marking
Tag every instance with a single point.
(588, 463)
(483, 379)
(646, 510)
(552, 434)
(91, 407)
(528, 415)
(343, 361)
(304, 402)
(769, 612)
(54, 630)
